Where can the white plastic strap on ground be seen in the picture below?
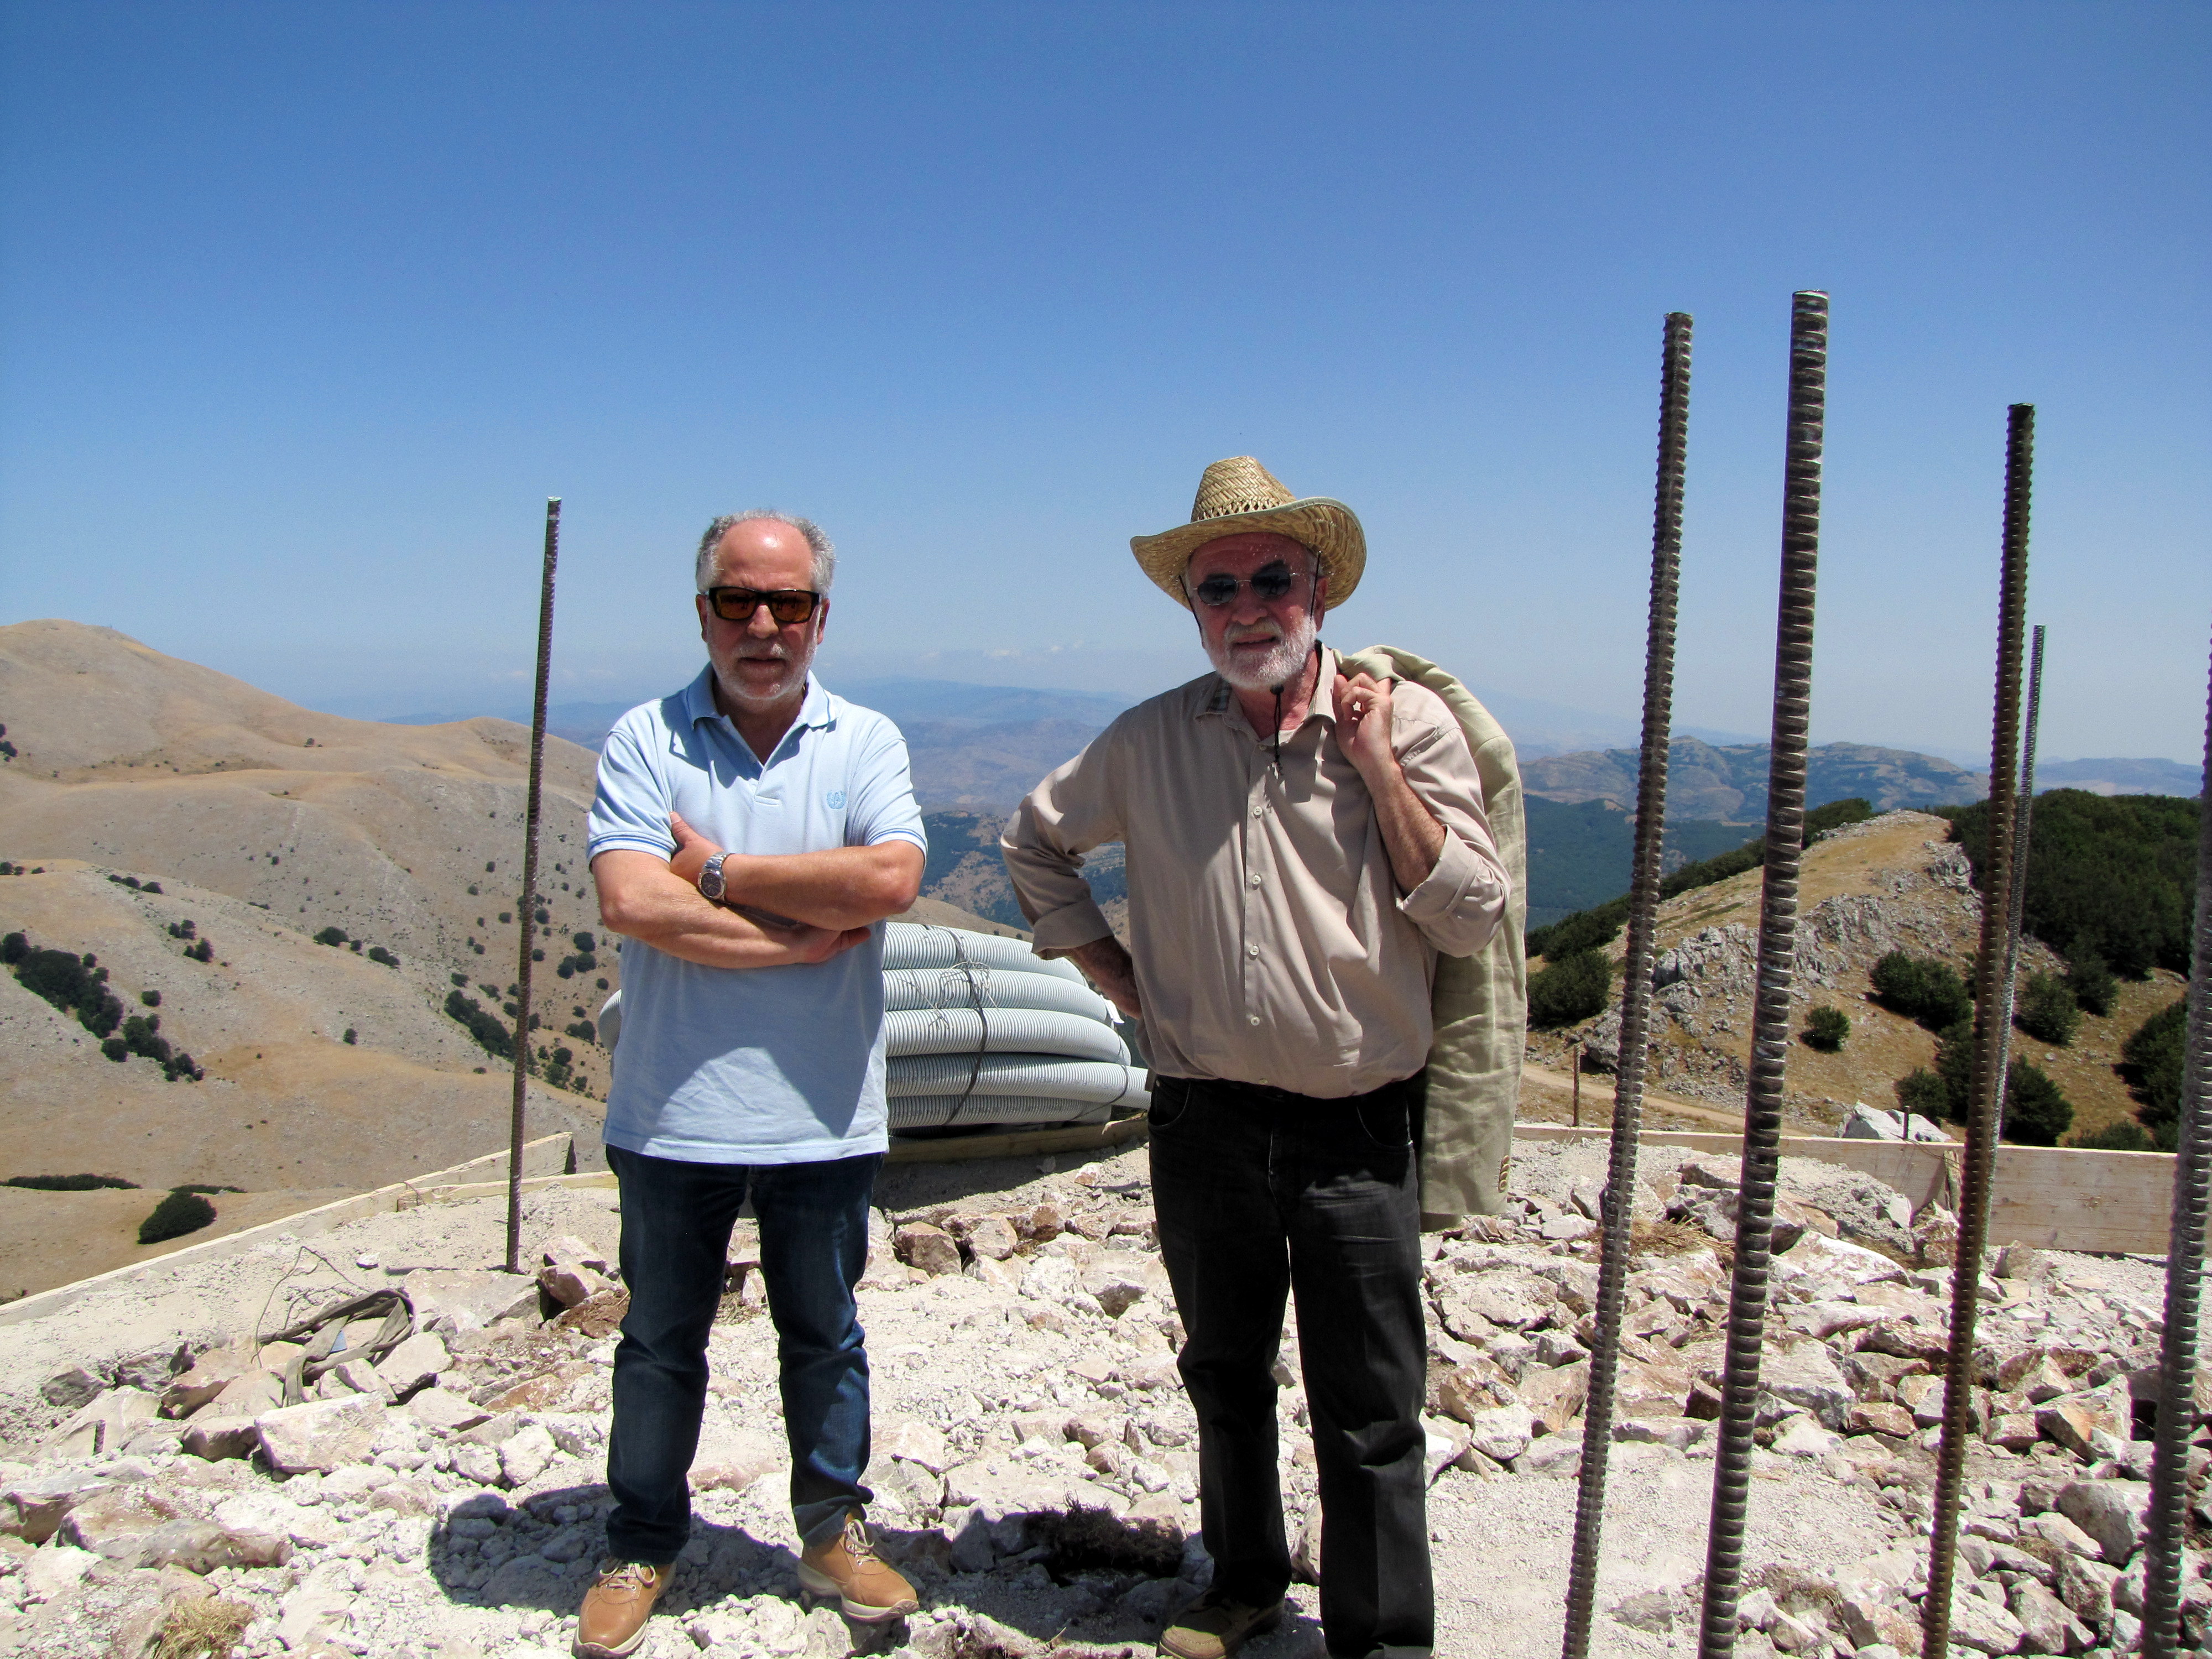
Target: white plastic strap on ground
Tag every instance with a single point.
(908, 989)
(910, 1112)
(1039, 1075)
(913, 944)
(1002, 1031)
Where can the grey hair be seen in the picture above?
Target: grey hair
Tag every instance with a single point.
(817, 543)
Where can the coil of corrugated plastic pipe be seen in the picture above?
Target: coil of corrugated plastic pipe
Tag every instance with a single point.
(1004, 1031)
(908, 989)
(913, 944)
(1091, 1081)
(912, 1112)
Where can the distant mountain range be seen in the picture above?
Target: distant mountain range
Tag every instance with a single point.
(2121, 777)
(1727, 784)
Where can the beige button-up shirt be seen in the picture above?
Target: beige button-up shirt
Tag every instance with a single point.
(1271, 943)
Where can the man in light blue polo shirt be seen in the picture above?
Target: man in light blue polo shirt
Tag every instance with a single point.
(750, 833)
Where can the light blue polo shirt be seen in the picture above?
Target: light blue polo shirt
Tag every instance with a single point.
(751, 1064)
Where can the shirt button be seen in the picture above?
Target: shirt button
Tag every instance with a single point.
(1257, 811)
(1253, 880)
(1251, 950)
(1254, 1018)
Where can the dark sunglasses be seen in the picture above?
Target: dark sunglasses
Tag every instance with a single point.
(1269, 582)
(786, 604)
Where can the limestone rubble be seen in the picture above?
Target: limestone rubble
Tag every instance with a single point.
(1036, 1469)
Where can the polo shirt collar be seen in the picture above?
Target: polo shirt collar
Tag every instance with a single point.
(699, 700)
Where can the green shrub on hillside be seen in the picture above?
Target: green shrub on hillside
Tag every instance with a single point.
(1570, 990)
(2152, 1058)
(1922, 988)
(331, 936)
(490, 1034)
(76, 985)
(2036, 1111)
(1922, 1093)
(2092, 982)
(2047, 1010)
(182, 1212)
(14, 949)
(2122, 1136)
(2112, 874)
(1826, 1029)
(71, 1183)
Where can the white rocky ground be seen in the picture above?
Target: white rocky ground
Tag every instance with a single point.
(1034, 1459)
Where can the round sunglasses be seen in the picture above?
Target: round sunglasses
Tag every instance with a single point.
(1269, 583)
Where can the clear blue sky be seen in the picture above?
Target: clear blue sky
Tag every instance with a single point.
(304, 310)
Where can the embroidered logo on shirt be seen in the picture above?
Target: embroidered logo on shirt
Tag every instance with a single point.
(833, 799)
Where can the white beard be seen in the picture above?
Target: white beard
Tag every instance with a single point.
(795, 663)
(1283, 662)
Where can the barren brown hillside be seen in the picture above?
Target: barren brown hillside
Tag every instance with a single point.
(407, 837)
(1894, 882)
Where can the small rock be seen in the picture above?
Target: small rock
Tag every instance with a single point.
(65, 1390)
(524, 1456)
(2051, 1626)
(2075, 1421)
(1868, 1620)
(921, 1443)
(930, 1249)
(1652, 1610)
(438, 1408)
(2055, 1529)
(1503, 1432)
(321, 1435)
(1880, 1416)
(216, 1437)
(1979, 1623)
(413, 1365)
(210, 1374)
(456, 1299)
(248, 1395)
(2085, 1585)
(1552, 1454)
(1555, 1395)
(2110, 1512)
(569, 1284)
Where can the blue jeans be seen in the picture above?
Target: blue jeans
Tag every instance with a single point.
(675, 1222)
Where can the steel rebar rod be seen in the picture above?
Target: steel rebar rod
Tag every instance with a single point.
(2184, 1270)
(1616, 1207)
(2024, 815)
(527, 910)
(1992, 1039)
(1777, 950)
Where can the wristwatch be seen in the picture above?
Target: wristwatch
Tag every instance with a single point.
(710, 878)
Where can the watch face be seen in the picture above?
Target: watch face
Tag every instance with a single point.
(710, 879)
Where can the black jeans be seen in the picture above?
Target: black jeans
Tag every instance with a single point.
(676, 1221)
(1259, 1192)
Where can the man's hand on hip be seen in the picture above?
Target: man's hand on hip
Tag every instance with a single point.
(1112, 972)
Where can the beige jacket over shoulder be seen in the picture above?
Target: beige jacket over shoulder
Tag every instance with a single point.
(1271, 942)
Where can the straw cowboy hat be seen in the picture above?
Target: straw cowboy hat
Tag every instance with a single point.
(1239, 495)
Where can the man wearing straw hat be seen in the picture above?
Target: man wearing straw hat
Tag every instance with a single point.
(1301, 845)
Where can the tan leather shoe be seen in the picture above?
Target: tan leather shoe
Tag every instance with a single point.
(612, 1622)
(1214, 1626)
(848, 1567)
